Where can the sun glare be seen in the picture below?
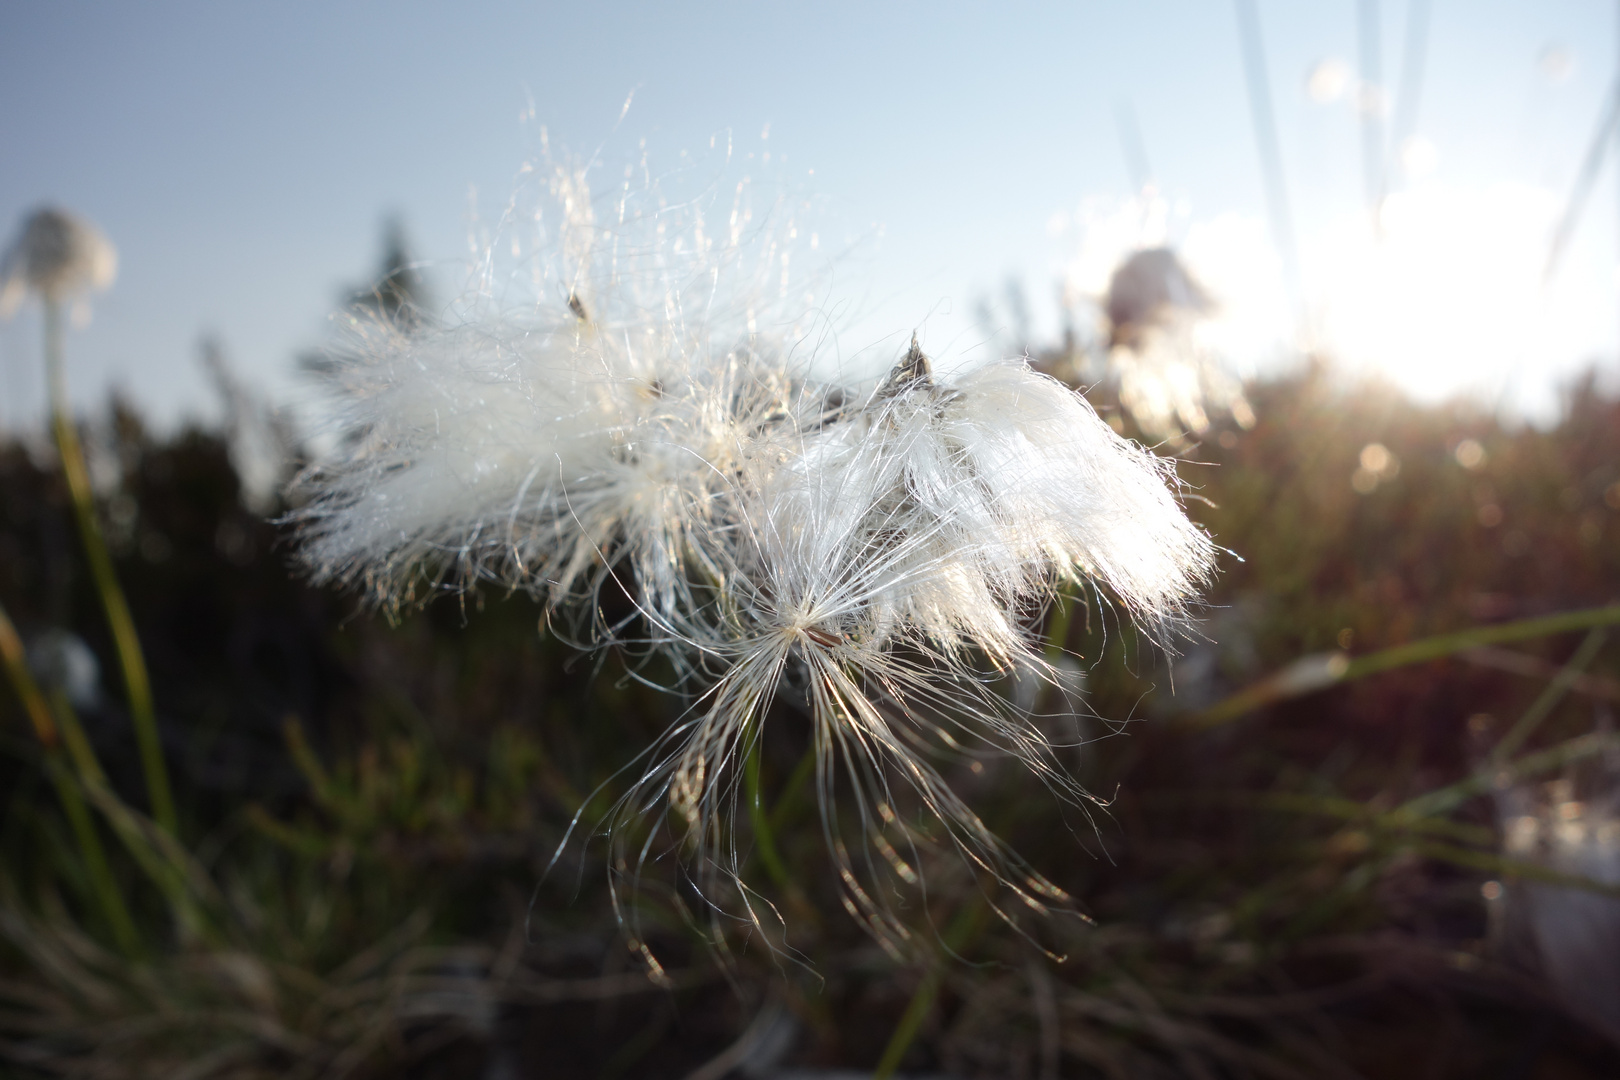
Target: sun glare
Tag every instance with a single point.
(1230, 257)
(1446, 296)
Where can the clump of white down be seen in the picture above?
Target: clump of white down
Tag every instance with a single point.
(875, 548)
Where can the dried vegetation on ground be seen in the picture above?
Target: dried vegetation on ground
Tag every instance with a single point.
(368, 810)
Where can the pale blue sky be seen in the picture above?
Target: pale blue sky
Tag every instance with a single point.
(242, 156)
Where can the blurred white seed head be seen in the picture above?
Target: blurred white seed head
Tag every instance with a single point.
(57, 256)
(1151, 288)
(1166, 325)
(61, 660)
(1169, 379)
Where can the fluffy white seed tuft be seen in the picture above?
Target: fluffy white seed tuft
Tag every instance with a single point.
(875, 556)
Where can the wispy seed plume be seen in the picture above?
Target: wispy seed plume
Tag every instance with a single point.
(874, 554)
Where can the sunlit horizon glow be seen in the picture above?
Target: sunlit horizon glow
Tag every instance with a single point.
(1448, 298)
(1444, 296)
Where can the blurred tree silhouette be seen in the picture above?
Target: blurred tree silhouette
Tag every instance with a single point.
(400, 293)
(398, 296)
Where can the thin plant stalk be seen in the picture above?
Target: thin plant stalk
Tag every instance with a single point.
(788, 801)
(1486, 780)
(767, 823)
(68, 792)
(764, 841)
(156, 852)
(127, 643)
(1321, 670)
(1416, 827)
(1057, 629)
(1421, 814)
(905, 1032)
(1443, 645)
(15, 659)
(1503, 866)
(962, 930)
(1550, 697)
(971, 917)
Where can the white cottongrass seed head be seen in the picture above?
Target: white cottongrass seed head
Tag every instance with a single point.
(1169, 379)
(58, 257)
(871, 559)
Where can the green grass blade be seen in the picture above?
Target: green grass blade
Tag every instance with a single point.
(137, 683)
(1321, 670)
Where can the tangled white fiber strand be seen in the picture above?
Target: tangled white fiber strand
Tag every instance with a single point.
(874, 558)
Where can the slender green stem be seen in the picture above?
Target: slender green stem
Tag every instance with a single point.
(962, 930)
(1489, 779)
(102, 882)
(965, 926)
(905, 1032)
(1320, 671)
(1550, 697)
(764, 841)
(788, 800)
(1492, 863)
(1057, 629)
(1352, 811)
(1443, 645)
(136, 682)
(68, 793)
(15, 659)
(155, 851)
